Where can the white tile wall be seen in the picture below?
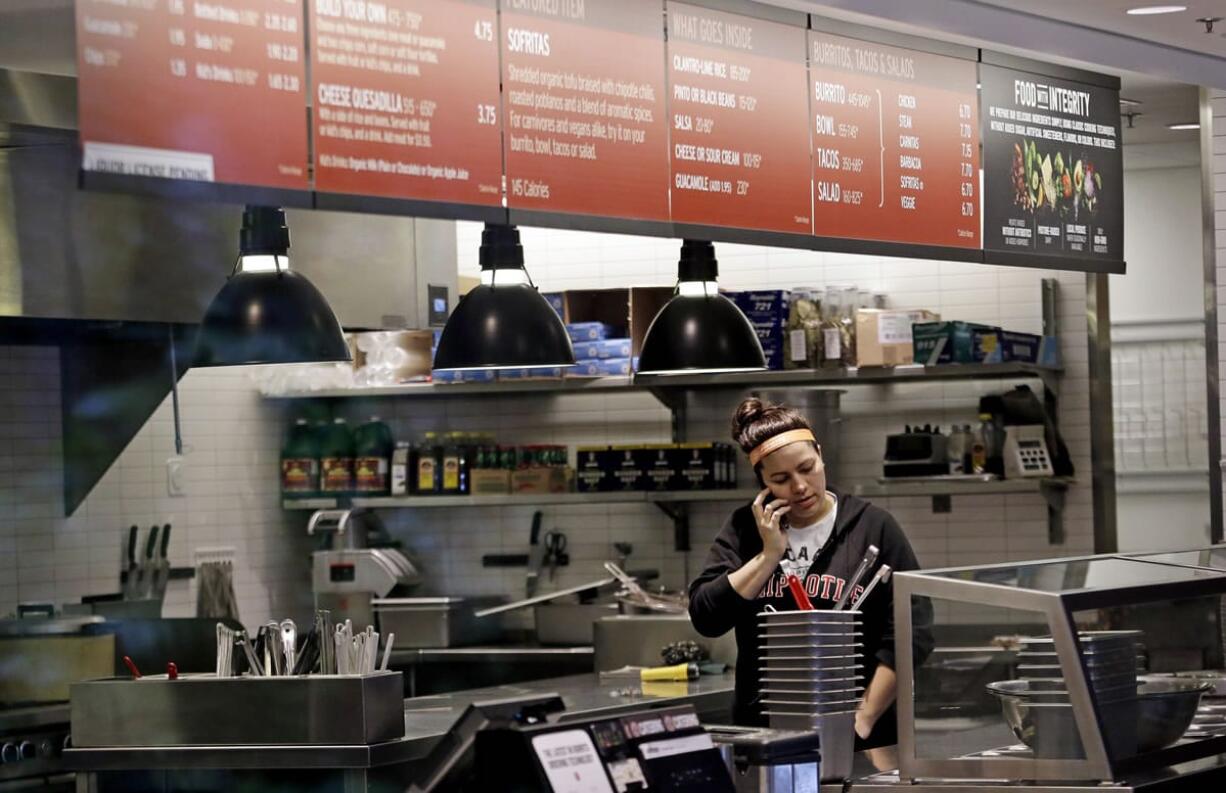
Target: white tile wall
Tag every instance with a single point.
(234, 436)
(233, 440)
(979, 529)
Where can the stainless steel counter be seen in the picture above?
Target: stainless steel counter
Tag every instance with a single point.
(427, 719)
(500, 653)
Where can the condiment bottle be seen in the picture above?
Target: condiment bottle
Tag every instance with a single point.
(336, 459)
(300, 462)
(372, 458)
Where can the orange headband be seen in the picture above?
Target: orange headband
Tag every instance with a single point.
(777, 442)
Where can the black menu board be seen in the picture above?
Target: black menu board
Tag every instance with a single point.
(1052, 166)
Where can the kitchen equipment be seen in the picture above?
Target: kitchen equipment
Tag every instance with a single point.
(128, 579)
(769, 761)
(1158, 714)
(439, 621)
(634, 599)
(203, 710)
(161, 572)
(561, 593)
(555, 552)
(636, 640)
(347, 577)
(798, 594)
(815, 666)
(882, 576)
(40, 656)
(570, 624)
(1025, 453)
(148, 564)
(536, 556)
(870, 558)
(915, 453)
(289, 644)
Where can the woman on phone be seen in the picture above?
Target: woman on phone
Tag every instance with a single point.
(799, 526)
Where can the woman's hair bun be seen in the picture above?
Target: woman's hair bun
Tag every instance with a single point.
(749, 411)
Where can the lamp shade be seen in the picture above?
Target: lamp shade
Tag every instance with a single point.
(504, 322)
(270, 315)
(699, 330)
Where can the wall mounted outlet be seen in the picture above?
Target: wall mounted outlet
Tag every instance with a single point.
(176, 475)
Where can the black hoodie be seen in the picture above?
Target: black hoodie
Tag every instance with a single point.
(715, 607)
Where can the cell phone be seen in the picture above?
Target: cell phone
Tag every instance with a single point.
(784, 523)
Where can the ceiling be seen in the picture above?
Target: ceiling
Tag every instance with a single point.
(1175, 30)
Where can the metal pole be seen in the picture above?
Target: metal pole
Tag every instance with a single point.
(1102, 435)
(1213, 408)
(174, 390)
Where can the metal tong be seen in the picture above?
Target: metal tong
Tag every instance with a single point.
(870, 557)
(883, 575)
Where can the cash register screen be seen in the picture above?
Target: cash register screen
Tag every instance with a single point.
(570, 762)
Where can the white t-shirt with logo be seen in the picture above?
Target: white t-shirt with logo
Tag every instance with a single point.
(806, 542)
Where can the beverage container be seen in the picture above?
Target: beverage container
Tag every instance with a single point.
(981, 444)
(428, 465)
(372, 458)
(336, 459)
(455, 464)
(402, 467)
(955, 448)
(300, 462)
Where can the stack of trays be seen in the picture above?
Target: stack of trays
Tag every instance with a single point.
(810, 666)
(1111, 660)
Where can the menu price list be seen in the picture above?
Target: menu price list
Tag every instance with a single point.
(895, 143)
(740, 146)
(584, 107)
(206, 90)
(1053, 166)
(406, 99)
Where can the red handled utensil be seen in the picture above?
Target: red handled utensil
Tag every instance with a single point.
(128, 662)
(798, 593)
(172, 671)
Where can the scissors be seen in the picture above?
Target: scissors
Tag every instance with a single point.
(555, 551)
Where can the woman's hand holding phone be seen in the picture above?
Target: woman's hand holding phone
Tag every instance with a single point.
(771, 523)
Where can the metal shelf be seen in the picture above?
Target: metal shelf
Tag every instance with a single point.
(869, 490)
(542, 499)
(959, 487)
(787, 377)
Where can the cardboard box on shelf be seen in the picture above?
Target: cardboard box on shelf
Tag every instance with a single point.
(605, 348)
(557, 302)
(697, 466)
(952, 341)
(489, 481)
(537, 481)
(399, 356)
(628, 312)
(1026, 348)
(764, 305)
(532, 373)
(884, 336)
(602, 367)
(624, 467)
(657, 466)
(588, 331)
(593, 473)
(463, 376)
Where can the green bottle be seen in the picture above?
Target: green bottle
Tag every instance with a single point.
(372, 458)
(336, 459)
(300, 462)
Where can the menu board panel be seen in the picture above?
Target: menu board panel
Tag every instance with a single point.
(406, 99)
(895, 143)
(740, 141)
(194, 89)
(583, 103)
(1053, 170)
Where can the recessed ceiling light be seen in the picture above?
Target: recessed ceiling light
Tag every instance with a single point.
(1151, 10)
(1184, 125)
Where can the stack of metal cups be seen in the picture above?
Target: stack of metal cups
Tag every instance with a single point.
(1111, 661)
(810, 678)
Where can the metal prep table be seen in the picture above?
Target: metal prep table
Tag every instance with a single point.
(382, 767)
(430, 670)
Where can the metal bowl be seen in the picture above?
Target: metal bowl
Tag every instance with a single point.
(1157, 717)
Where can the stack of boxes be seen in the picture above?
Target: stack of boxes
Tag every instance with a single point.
(767, 310)
(597, 352)
(653, 467)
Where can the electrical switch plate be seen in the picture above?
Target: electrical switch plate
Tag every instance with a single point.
(176, 476)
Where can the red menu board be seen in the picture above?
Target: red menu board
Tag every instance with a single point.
(740, 141)
(194, 89)
(406, 99)
(584, 107)
(895, 143)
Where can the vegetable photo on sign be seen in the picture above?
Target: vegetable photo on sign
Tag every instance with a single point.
(1064, 185)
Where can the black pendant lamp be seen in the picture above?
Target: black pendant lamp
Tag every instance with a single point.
(504, 322)
(700, 330)
(266, 313)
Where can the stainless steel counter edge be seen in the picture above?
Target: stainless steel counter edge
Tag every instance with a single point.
(427, 719)
(413, 655)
